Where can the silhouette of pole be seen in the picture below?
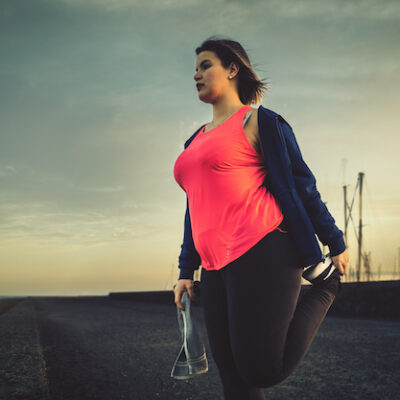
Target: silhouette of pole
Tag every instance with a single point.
(345, 223)
(360, 177)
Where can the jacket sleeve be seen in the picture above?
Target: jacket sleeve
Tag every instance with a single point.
(189, 258)
(305, 184)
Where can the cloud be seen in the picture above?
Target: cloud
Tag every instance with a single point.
(48, 223)
(335, 9)
(291, 9)
(130, 5)
(7, 170)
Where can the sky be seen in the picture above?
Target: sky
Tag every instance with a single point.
(97, 98)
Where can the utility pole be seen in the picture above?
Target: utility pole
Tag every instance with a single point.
(345, 213)
(360, 178)
(367, 265)
(345, 223)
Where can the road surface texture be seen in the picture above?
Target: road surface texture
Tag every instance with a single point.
(78, 348)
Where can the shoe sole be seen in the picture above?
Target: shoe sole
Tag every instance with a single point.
(320, 271)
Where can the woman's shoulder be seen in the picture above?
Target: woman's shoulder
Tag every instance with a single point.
(251, 129)
(256, 126)
(273, 114)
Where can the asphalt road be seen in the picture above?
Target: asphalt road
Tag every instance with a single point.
(80, 348)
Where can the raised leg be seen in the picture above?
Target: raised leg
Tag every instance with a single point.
(269, 330)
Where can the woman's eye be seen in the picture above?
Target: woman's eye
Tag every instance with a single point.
(205, 67)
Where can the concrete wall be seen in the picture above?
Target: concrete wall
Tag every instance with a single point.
(368, 299)
(363, 299)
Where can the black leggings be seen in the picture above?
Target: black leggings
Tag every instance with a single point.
(257, 329)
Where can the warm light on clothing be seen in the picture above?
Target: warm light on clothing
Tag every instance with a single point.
(230, 207)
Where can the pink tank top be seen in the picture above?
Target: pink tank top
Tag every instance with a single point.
(230, 209)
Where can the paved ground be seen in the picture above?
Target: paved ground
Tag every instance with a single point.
(96, 348)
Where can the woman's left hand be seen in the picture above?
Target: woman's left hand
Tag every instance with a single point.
(341, 262)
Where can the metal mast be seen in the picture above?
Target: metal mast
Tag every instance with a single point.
(360, 181)
(345, 213)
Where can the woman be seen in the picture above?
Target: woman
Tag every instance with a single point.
(253, 202)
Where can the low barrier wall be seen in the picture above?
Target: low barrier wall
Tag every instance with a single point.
(380, 299)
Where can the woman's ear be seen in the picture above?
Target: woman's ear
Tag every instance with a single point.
(234, 69)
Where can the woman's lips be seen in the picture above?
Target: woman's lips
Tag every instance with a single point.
(199, 86)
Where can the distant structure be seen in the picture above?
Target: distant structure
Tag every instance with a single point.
(362, 259)
(364, 262)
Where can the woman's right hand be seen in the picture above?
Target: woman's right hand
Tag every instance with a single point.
(181, 286)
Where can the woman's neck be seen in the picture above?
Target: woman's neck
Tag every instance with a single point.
(223, 111)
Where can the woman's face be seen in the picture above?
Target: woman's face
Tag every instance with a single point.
(212, 76)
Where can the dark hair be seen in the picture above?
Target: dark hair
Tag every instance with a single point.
(251, 88)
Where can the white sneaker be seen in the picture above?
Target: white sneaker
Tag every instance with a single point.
(320, 271)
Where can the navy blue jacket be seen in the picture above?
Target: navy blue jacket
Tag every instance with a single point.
(293, 185)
